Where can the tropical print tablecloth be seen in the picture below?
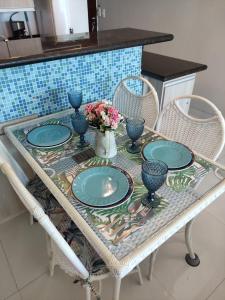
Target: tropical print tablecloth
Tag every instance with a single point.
(123, 227)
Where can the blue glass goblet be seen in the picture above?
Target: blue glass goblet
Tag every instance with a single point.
(153, 175)
(80, 126)
(135, 128)
(75, 99)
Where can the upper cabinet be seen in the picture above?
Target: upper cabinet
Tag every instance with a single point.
(16, 5)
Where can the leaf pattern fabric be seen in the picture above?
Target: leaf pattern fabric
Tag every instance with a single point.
(48, 202)
(117, 224)
(85, 252)
(77, 241)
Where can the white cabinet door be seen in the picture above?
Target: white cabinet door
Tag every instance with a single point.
(180, 86)
(168, 90)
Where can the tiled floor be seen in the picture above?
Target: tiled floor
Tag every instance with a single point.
(24, 265)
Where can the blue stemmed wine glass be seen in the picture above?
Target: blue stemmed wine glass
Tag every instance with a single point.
(75, 99)
(153, 175)
(80, 125)
(135, 128)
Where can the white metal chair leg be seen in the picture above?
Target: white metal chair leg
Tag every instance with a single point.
(151, 264)
(116, 289)
(139, 275)
(191, 258)
(87, 292)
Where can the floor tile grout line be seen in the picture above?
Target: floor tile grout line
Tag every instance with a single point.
(9, 219)
(216, 217)
(11, 272)
(223, 280)
(14, 295)
(9, 265)
(30, 282)
(163, 286)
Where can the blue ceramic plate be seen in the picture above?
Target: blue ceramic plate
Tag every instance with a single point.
(49, 135)
(102, 187)
(175, 155)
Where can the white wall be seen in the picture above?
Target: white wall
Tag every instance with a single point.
(198, 27)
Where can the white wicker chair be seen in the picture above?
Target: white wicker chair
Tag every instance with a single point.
(205, 136)
(145, 105)
(35, 185)
(61, 252)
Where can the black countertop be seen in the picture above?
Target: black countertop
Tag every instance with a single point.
(165, 68)
(98, 42)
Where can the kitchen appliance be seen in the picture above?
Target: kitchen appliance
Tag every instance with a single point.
(66, 20)
(18, 27)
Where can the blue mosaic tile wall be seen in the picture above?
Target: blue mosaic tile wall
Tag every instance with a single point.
(42, 88)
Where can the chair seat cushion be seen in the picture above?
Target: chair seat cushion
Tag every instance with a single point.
(85, 252)
(48, 202)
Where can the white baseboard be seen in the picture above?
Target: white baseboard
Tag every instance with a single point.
(10, 218)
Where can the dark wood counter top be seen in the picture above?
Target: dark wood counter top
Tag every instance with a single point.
(165, 68)
(98, 42)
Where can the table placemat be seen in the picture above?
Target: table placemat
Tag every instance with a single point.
(124, 227)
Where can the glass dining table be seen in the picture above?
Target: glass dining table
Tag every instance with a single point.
(126, 234)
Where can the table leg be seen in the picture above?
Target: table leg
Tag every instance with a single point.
(151, 264)
(191, 258)
(116, 289)
(139, 275)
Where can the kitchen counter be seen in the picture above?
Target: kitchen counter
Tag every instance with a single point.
(171, 77)
(98, 42)
(166, 68)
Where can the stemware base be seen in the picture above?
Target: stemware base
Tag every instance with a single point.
(131, 148)
(150, 202)
(82, 145)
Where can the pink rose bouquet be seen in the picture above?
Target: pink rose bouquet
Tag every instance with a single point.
(103, 116)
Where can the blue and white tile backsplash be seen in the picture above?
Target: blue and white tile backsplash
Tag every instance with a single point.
(42, 88)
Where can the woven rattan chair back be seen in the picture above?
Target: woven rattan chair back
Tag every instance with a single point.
(38, 213)
(6, 156)
(144, 105)
(205, 136)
